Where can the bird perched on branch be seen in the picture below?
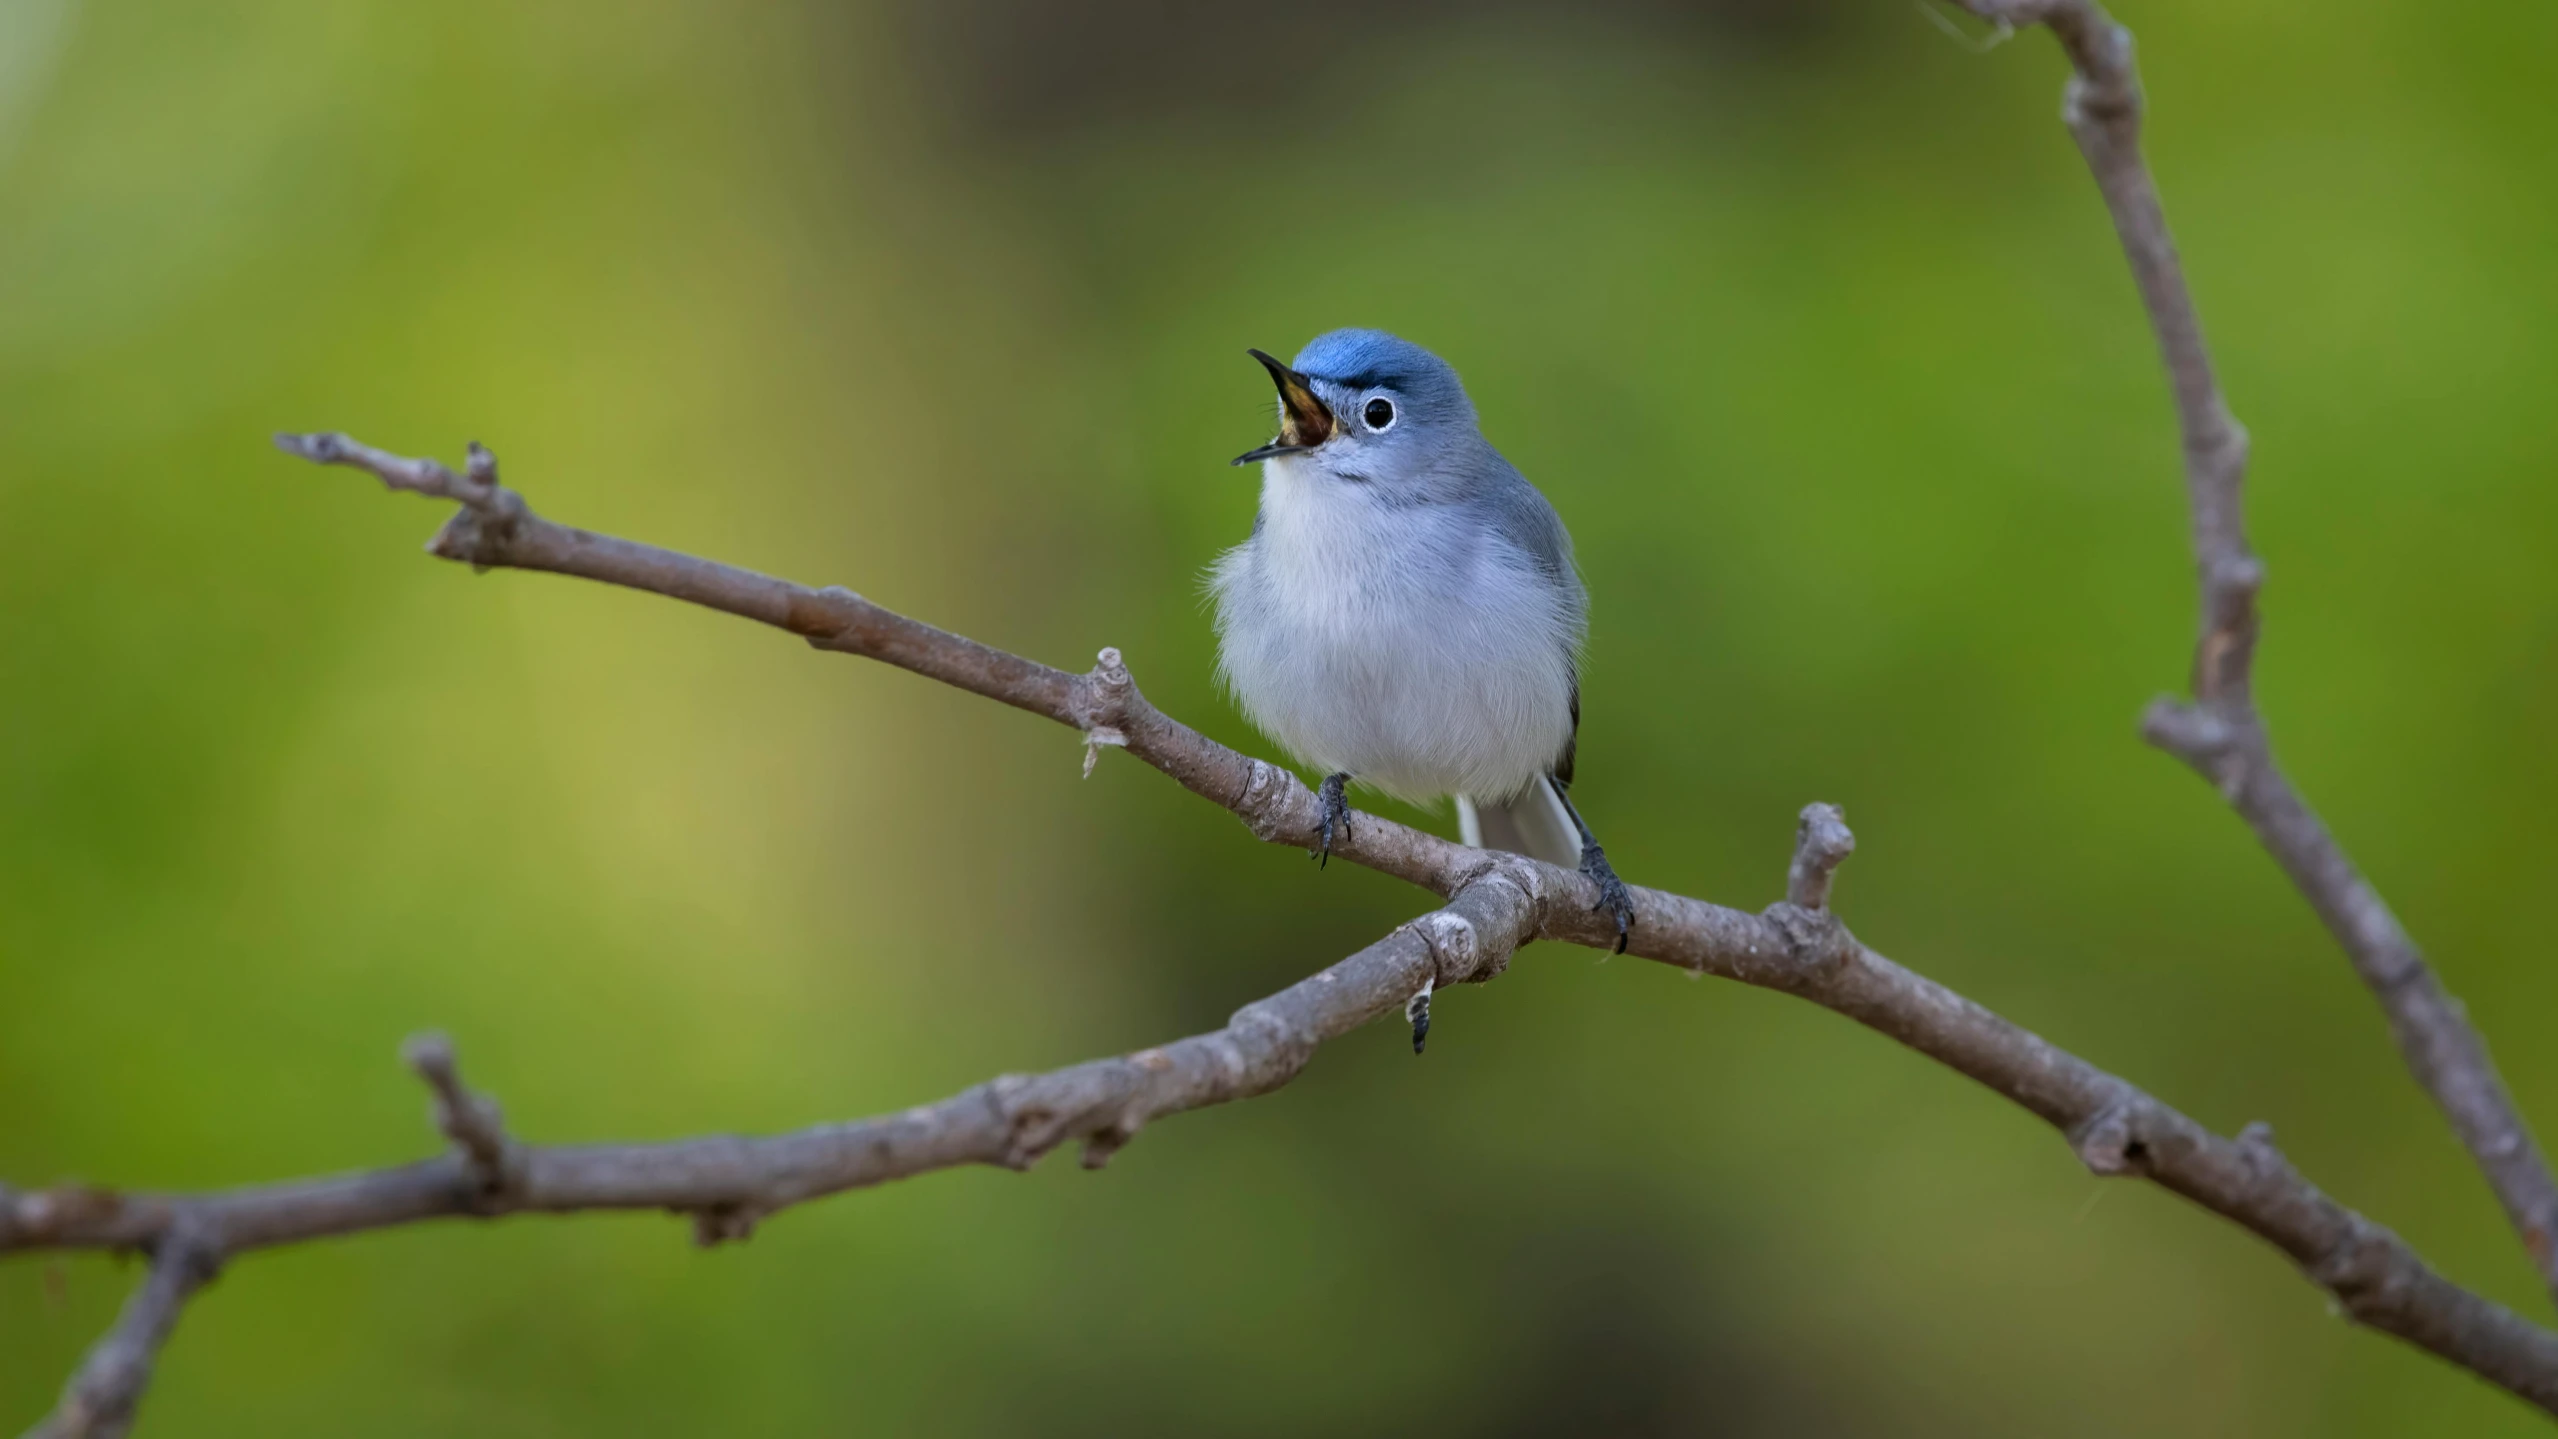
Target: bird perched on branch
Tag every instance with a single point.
(1406, 614)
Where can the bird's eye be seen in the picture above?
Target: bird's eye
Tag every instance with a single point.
(1379, 414)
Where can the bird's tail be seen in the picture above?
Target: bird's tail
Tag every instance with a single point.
(1535, 824)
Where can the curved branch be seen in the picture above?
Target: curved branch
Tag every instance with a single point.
(1496, 902)
(2219, 732)
(727, 1184)
(99, 1401)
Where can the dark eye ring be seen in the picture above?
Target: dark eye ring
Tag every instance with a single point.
(1379, 413)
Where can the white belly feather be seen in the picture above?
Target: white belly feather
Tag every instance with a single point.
(1398, 643)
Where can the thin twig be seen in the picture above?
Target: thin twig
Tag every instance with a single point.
(1822, 842)
(1496, 902)
(100, 1400)
(2220, 732)
(473, 1122)
(729, 1184)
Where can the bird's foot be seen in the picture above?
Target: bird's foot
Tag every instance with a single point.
(1336, 815)
(1615, 900)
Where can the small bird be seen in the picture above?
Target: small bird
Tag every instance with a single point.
(1406, 614)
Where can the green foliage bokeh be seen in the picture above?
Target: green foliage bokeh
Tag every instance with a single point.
(1819, 342)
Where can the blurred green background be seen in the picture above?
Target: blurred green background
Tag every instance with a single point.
(1807, 319)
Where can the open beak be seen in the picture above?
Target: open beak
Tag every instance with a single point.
(1303, 421)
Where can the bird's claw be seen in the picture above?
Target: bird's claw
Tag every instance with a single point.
(1336, 814)
(1615, 900)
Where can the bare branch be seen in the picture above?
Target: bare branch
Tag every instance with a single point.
(1822, 843)
(733, 1182)
(473, 1122)
(99, 1401)
(728, 1184)
(2219, 732)
(1496, 902)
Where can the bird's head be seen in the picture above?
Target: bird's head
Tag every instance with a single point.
(1365, 406)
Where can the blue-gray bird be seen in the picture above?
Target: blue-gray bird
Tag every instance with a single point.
(1406, 614)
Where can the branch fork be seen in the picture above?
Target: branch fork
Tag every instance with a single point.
(1816, 944)
(479, 533)
(99, 1400)
(1494, 904)
(473, 1123)
(2220, 733)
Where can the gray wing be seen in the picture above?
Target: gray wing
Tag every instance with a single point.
(1518, 513)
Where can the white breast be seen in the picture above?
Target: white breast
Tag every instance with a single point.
(1404, 644)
